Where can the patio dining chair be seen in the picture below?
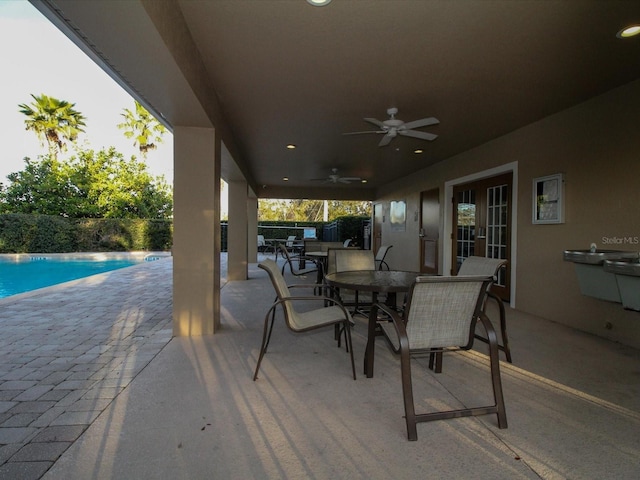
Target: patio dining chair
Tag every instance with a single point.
(441, 315)
(299, 322)
(347, 260)
(291, 245)
(380, 256)
(489, 266)
(292, 260)
(481, 266)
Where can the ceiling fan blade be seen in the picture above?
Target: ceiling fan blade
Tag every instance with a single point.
(366, 131)
(425, 122)
(344, 180)
(350, 179)
(386, 140)
(375, 122)
(420, 135)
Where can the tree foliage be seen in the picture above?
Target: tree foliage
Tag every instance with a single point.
(309, 210)
(55, 122)
(90, 185)
(143, 127)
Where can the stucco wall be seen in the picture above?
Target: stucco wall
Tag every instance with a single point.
(596, 145)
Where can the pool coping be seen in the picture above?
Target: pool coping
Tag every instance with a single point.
(19, 257)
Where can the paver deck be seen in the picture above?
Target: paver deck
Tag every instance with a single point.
(93, 386)
(67, 351)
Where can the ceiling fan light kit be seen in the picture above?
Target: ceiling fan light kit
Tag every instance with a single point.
(392, 127)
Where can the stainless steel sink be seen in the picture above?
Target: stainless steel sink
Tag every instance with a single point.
(597, 257)
(627, 275)
(594, 281)
(623, 267)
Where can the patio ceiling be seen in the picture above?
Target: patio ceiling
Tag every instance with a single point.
(279, 72)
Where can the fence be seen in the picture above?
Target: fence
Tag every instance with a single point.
(355, 228)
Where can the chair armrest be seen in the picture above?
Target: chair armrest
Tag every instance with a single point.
(304, 285)
(307, 258)
(307, 298)
(398, 323)
(488, 327)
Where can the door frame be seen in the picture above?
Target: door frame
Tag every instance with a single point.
(377, 219)
(448, 218)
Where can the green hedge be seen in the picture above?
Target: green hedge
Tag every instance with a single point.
(21, 233)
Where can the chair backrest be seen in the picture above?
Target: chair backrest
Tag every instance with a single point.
(347, 242)
(282, 291)
(290, 240)
(261, 241)
(381, 254)
(320, 246)
(349, 259)
(286, 256)
(481, 266)
(441, 311)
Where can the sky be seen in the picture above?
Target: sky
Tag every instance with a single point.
(37, 59)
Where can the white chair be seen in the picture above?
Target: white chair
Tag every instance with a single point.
(262, 244)
(305, 321)
(441, 315)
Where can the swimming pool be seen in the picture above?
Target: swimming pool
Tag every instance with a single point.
(24, 273)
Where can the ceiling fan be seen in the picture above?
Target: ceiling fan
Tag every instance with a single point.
(335, 178)
(393, 127)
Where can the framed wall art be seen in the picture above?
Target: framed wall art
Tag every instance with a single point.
(548, 199)
(398, 215)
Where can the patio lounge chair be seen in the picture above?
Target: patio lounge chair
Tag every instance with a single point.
(441, 315)
(305, 321)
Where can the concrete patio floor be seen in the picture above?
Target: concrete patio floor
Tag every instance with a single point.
(93, 387)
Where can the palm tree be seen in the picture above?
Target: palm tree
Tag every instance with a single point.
(143, 128)
(55, 122)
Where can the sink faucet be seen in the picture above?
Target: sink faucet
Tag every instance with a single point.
(593, 248)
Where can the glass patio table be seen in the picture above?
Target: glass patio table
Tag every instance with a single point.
(374, 281)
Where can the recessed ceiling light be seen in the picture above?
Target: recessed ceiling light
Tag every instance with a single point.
(319, 3)
(286, 179)
(418, 151)
(363, 181)
(291, 146)
(629, 31)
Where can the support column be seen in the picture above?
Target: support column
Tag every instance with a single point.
(237, 266)
(196, 231)
(252, 216)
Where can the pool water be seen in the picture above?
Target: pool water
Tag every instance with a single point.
(39, 272)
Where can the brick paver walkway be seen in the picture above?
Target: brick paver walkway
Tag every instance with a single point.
(67, 351)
